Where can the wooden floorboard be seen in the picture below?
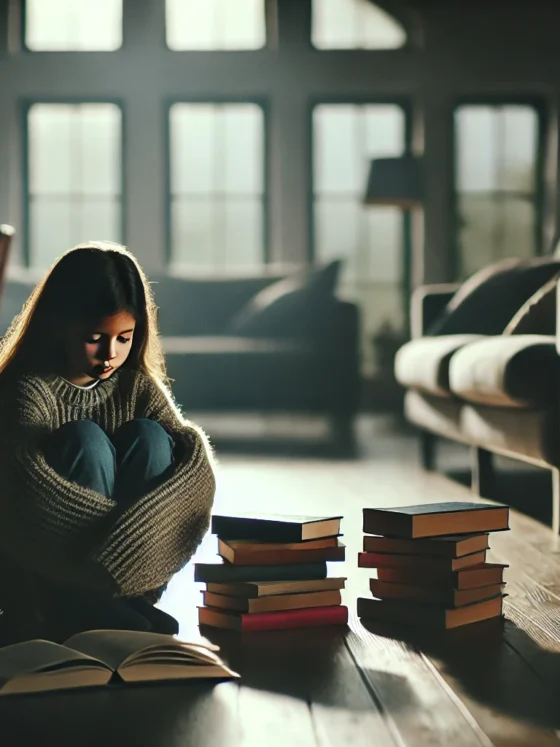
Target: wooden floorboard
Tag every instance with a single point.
(477, 688)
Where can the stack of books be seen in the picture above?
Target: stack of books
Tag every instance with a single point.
(273, 573)
(431, 564)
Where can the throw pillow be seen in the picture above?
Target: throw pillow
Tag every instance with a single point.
(289, 308)
(488, 300)
(537, 316)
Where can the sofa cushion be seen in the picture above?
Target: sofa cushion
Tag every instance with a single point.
(438, 415)
(537, 316)
(290, 308)
(533, 434)
(424, 363)
(508, 371)
(488, 300)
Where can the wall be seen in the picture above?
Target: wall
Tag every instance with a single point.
(490, 48)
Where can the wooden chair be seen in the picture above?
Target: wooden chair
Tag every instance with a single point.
(6, 235)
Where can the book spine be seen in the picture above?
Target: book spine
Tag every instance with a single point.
(337, 615)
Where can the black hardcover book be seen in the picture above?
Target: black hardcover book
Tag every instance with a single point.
(275, 527)
(224, 572)
(436, 519)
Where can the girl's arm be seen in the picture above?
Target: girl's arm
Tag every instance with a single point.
(43, 517)
(156, 536)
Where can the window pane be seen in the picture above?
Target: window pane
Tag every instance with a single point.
(58, 224)
(194, 134)
(369, 240)
(494, 230)
(337, 232)
(520, 141)
(194, 229)
(73, 25)
(496, 183)
(476, 149)
(243, 149)
(338, 161)
(242, 237)
(215, 24)
(217, 185)
(354, 24)
(75, 163)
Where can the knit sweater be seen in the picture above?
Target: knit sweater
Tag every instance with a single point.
(74, 534)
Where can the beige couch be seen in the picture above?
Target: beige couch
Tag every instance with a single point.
(498, 394)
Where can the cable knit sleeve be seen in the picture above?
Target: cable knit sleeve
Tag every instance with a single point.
(156, 536)
(43, 517)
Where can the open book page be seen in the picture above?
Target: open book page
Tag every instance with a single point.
(117, 647)
(42, 665)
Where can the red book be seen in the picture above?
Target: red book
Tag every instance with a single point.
(304, 618)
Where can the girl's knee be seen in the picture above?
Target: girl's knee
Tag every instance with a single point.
(143, 430)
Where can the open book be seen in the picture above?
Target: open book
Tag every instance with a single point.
(98, 657)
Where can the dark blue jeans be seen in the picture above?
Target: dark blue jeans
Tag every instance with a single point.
(125, 467)
(137, 459)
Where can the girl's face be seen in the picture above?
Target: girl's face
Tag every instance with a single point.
(97, 352)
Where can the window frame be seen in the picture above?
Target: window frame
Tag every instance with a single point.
(27, 104)
(542, 110)
(263, 103)
(28, 50)
(405, 103)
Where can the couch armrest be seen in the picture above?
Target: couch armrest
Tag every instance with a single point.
(507, 371)
(427, 303)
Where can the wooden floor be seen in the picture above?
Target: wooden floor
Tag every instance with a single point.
(492, 683)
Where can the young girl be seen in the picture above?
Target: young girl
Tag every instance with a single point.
(105, 490)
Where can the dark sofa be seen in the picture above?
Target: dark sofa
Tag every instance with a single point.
(224, 358)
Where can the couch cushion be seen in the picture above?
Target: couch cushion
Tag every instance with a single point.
(440, 415)
(290, 308)
(533, 434)
(507, 371)
(488, 300)
(537, 316)
(424, 363)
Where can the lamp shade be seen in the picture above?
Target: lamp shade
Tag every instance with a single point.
(396, 181)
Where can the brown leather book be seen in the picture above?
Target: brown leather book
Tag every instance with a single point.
(255, 589)
(273, 556)
(416, 613)
(273, 603)
(454, 546)
(433, 594)
(419, 562)
(467, 578)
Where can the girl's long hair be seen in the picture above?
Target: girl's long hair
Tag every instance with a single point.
(89, 282)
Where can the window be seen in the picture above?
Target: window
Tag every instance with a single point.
(354, 24)
(73, 25)
(215, 24)
(496, 184)
(370, 240)
(74, 177)
(217, 186)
